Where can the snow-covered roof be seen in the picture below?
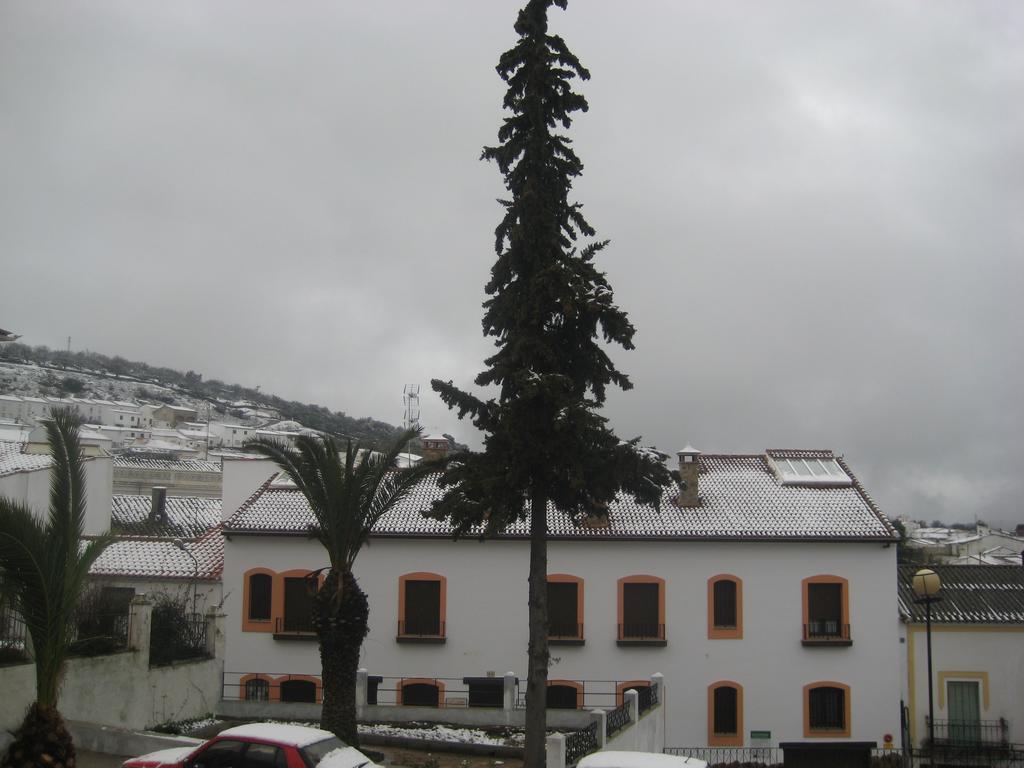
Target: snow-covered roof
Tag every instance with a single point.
(128, 461)
(971, 594)
(14, 459)
(187, 516)
(147, 558)
(282, 733)
(741, 498)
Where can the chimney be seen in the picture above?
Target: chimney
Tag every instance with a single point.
(435, 447)
(158, 509)
(689, 495)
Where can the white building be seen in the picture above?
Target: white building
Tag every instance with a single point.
(977, 656)
(25, 477)
(763, 593)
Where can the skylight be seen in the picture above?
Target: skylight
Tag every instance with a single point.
(810, 471)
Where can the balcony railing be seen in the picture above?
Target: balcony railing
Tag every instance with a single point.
(288, 627)
(641, 634)
(827, 633)
(421, 631)
(565, 633)
(972, 733)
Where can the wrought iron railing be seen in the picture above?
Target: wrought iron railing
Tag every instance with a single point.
(647, 697)
(294, 625)
(563, 630)
(98, 633)
(13, 637)
(971, 732)
(749, 757)
(421, 628)
(641, 631)
(1007, 756)
(825, 632)
(616, 720)
(580, 743)
(177, 637)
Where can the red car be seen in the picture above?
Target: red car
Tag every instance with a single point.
(260, 745)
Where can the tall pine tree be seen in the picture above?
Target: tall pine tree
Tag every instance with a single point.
(547, 450)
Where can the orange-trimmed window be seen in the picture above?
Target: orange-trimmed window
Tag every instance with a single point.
(725, 607)
(565, 609)
(628, 685)
(258, 600)
(421, 607)
(565, 694)
(293, 606)
(826, 709)
(303, 688)
(826, 610)
(420, 692)
(257, 688)
(641, 609)
(725, 714)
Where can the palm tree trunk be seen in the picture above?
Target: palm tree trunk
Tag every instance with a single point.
(42, 741)
(341, 617)
(537, 679)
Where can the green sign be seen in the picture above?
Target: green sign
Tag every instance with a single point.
(760, 735)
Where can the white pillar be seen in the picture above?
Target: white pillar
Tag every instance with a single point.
(361, 691)
(601, 716)
(555, 751)
(632, 701)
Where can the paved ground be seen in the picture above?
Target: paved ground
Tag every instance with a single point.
(393, 756)
(97, 760)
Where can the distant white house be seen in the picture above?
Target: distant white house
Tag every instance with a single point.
(763, 592)
(25, 477)
(977, 656)
(981, 546)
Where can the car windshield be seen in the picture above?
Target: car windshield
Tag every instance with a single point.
(314, 753)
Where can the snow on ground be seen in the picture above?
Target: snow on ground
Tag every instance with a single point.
(437, 732)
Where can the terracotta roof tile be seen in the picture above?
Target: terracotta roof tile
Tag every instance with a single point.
(741, 499)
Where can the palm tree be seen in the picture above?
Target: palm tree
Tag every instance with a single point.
(348, 493)
(44, 565)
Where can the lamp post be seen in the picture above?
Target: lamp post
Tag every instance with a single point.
(195, 573)
(926, 584)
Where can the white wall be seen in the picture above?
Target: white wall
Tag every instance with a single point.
(33, 488)
(995, 651)
(240, 478)
(487, 624)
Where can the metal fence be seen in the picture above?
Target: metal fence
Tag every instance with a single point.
(734, 757)
(647, 697)
(13, 637)
(99, 632)
(617, 719)
(1012, 756)
(581, 743)
(971, 733)
(175, 636)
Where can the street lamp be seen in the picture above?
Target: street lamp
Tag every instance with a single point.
(179, 544)
(926, 584)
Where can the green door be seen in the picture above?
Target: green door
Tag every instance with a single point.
(964, 711)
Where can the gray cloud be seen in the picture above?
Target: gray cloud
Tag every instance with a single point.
(814, 212)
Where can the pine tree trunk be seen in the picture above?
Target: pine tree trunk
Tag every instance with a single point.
(42, 741)
(537, 680)
(341, 622)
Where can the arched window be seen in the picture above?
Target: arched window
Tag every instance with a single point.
(725, 714)
(257, 689)
(565, 609)
(725, 607)
(565, 694)
(628, 685)
(418, 692)
(299, 690)
(258, 600)
(641, 609)
(826, 610)
(826, 709)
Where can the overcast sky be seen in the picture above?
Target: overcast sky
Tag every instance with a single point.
(815, 211)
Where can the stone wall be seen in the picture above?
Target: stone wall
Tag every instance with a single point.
(121, 689)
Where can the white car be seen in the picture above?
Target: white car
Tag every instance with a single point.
(615, 759)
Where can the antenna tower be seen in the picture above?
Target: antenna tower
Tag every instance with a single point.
(411, 400)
